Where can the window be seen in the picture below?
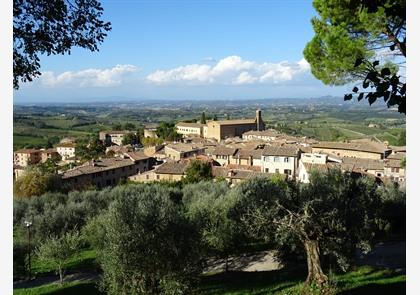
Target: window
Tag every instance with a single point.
(266, 159)
(147, 176)
(158, 176)
(286, 160)
(266, 170)
(288, 171)
(276, 159)
(277, 171)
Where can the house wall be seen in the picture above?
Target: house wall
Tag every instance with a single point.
(314, 158)
(172, 154)
(213, 131)
(270, 164)
(184, 130)
(235, 130)
(66, 152)
(46, 156)
(150, 133)
(397, 174)
(222, 159)
(109, 177)
(25, 159)
(303, 175)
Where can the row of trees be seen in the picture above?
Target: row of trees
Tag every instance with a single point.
(156, 238)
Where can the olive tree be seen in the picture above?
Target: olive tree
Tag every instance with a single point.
(208, 206)
(149, 246)
(58, 250)
(333, 214)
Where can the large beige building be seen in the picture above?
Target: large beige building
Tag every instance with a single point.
(188, 129)
(231, 128)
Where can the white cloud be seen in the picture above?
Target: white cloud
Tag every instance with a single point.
(89, 77)
(232, 70)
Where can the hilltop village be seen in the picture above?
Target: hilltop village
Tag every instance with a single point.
(234, 149)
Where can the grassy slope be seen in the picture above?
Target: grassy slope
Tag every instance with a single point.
(363, 281)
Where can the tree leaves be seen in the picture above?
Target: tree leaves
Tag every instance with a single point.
(348, 96)
(52, 27)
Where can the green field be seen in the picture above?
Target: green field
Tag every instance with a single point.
(35, 126)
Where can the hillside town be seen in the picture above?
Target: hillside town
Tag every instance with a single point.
(235, 149)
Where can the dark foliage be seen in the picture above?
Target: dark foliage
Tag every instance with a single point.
(45, 27)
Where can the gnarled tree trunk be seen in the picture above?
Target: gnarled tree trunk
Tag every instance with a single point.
(315, 273)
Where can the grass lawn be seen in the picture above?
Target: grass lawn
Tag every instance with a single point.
(85, 260)
(79, 288)
(363, 281)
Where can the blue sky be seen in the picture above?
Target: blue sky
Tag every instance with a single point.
(189, 49)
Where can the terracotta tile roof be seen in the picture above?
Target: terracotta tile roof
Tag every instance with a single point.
(363, 164)
(184, 147)
(256, 154)
(372, 147)
(49, 151)
(224, 151)
(397, 156)
(66, 144)
(393, 163)
(194, 125)
(269, 132)
(280, 151)
(244, 167)
(27, 151)
(235, 122)
(137, 156)
(172, 168)
(98, 166)
(237, 174)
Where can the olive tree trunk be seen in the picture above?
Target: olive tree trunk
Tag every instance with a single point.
(61, 274)
(315, 273)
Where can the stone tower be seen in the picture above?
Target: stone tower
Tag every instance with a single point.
(259, 120)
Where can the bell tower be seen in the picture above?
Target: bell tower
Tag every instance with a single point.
(259, 120)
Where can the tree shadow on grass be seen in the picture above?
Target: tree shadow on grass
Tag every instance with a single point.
(80, 289)
(236, 281)
(397, 288)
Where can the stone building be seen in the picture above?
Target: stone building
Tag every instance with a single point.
(280, 159)
(169, 171)
(220, 130)
(190, 129)
(107, 172)
(114, 137)
(66, 150)
(178, 151)
(365, 150)
(25, 157)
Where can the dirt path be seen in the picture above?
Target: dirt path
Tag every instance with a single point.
(259, 261)
(71, 277)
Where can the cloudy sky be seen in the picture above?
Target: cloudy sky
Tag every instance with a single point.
(188, 49)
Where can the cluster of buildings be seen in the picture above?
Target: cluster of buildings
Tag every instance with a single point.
(235, 149)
